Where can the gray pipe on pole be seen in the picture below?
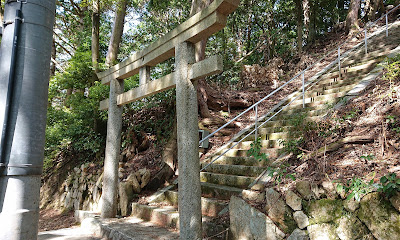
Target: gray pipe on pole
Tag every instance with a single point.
(25, 132)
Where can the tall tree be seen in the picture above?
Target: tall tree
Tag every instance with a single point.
(352, 16)
(117, 31)
(1, 14)
(53, 58)
(95, 38)
(312, 27)
(299, 20)
(197, 6)
(371, 7)
(110, 192)
(306, 17)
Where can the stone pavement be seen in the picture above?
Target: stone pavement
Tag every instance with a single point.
(129, 228)
(132, 228)
(75, 233)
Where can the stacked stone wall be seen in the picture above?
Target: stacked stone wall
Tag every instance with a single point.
(316, 212)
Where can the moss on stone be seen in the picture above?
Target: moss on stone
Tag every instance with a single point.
(290, 223)
(380, 216)
(350, 227)
(324, 231)
(324, 210)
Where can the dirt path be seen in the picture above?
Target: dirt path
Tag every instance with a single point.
(51, 219)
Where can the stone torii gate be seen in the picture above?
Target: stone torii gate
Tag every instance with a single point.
(179, 43)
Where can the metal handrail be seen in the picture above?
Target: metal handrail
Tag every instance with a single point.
(309, 86)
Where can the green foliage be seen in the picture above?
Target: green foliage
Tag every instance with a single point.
(296, 138)
(255, 151)
(392, 68)
(356, 188)
(389, 184)
(291, 145)
(280, 173)
(72, 122)
(392, 123)
(350, 115)
(298, 121)
(368, 157)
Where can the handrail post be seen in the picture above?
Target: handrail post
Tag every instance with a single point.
(387, 29)
(256, 122)
(366, 41)
(340, 72)
(304, 98)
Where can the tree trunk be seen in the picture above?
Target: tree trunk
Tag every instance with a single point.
(313, 22)
(372, 8)
(53, 56)
(117, 32)
(352, 16)
(81, 16)
(341, 9)
(197, 6)
(306, 19)
(367, 9)
(95, 39)
(249, 28)
(1, 15)
(299, 17)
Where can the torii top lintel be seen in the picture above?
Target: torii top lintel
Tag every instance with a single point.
(200, 26)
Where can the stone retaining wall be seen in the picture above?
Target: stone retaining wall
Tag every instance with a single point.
(316, 212)
(82, 189)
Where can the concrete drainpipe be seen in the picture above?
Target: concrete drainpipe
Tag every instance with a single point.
(25, 119)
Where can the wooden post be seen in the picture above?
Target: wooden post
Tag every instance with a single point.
(112, 154)
(188, 145)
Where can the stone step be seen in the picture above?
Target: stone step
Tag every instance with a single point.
(298, 104)
(271, 153)
(333, 97)
(226, 180)
(247, 161)
(299, 110)
(350, 71)
(359, 56)
(161, 216)
(165, 216)
(278, 137)
(273, 139)
(127, 228)
(270, 134)
(239, 170)
(287, 123)
(333, 83)
(377, 56)
(334, 89)
(336, 83)
(211, 190)
(309, 113)
(266, 130)
(209, 206)
(245, 144)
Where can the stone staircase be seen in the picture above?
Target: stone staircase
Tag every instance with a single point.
(234, 172)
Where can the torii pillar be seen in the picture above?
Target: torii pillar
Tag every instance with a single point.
(189, 202)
